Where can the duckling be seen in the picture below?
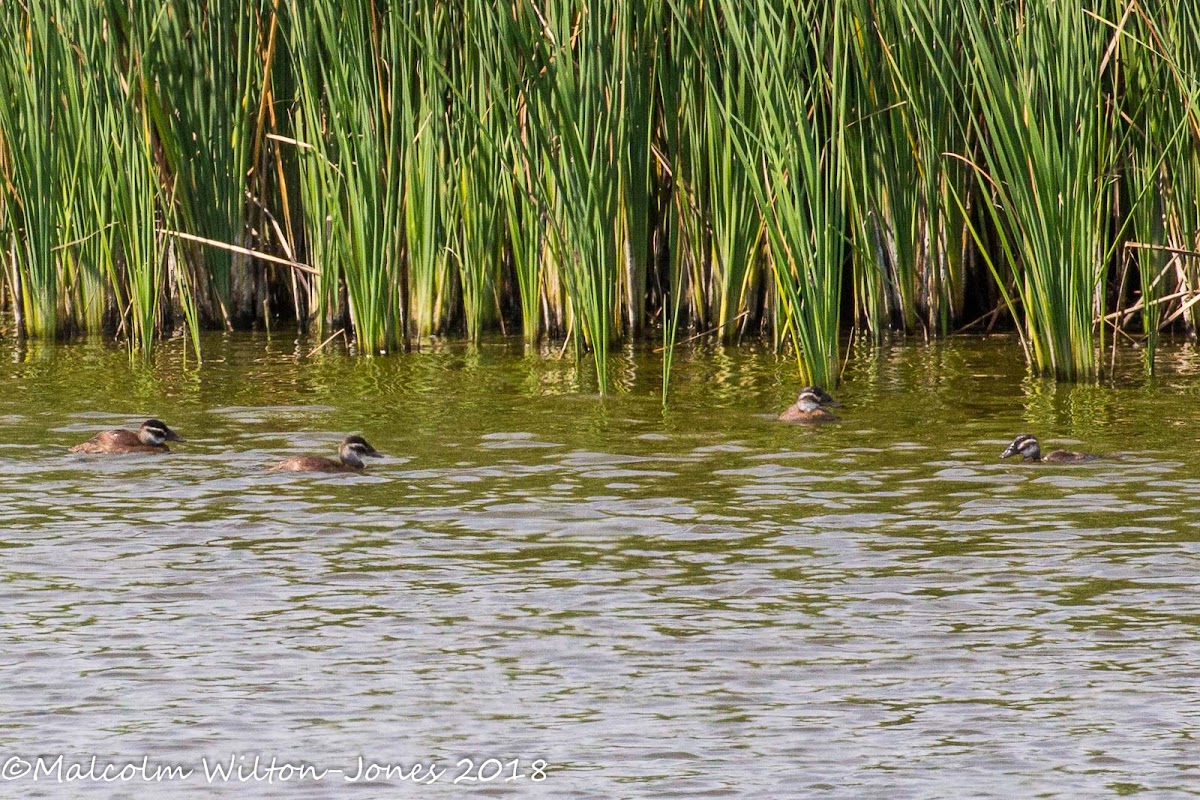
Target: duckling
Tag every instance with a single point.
(1029, 450)
(150, 437)
(352, 449)
(809, 407)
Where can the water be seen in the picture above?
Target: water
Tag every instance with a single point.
(696, 602)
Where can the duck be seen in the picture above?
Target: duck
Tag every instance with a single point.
(810, 407)
(1028, 448)
(350, 459)
(150, 437)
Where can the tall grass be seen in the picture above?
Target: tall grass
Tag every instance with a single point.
(478, 169)
(37, 61)
(682, 86)
(428, 189)
(1164, 76)
(907, 230)
(350, 62)
(1048, 144)
(85, 197)
(580, 104)
(709, 103)
(796, 159)
(1148, 81)
(207, 80)
(587, 171)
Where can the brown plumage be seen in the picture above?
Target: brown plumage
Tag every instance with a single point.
(151, 437)
(350, 454)
(809, 407)
(312, 464)
(1066, 456)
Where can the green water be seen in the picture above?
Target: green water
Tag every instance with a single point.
(697, 601)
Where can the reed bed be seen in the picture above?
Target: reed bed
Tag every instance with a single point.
(587, 172)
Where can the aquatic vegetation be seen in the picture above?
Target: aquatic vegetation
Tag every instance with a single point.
(796, 156)
(1164, 173)
(87, 205)
(208, 126)
(908, 232)
(31, 166)
(353, 141)
(587, 172)
(1048, 147)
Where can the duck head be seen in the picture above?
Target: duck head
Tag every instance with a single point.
(811, 398)
(1024, 445)
(155, 432)
(822, 397)
(354, 448)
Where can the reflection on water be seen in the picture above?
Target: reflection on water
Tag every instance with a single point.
(696, 601)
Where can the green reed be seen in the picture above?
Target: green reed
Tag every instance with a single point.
(1048, 145)
(681, 91)
(478, 147)
(142, 202)
(525, 235)
(583, 108)
(797, 157)
(908, 232)
(636, 28)
(83, 188)
(427, 186)
(588, 170)
(1149, 84)
(37, 61)
(576, 103)
(1166, 164)
(207, 78)
(91, 106)
(713, 95)
(350, 64)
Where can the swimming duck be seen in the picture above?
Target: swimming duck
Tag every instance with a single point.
(809, 407)
(1029, 450)
(352, 449)
(150, 437)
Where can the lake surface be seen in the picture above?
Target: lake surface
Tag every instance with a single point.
(608, 599)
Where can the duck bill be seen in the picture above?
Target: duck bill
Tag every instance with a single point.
(172, 436)
(374, 454)
(1009, 451)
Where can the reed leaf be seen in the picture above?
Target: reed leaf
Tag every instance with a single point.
(798, 150)
(1048, 149)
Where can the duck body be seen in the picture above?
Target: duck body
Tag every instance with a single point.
(795, 413)
(810, 407)
(1028, 448)
(350, 459)
(312, 464)
(151, 437)
(1068, 457)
